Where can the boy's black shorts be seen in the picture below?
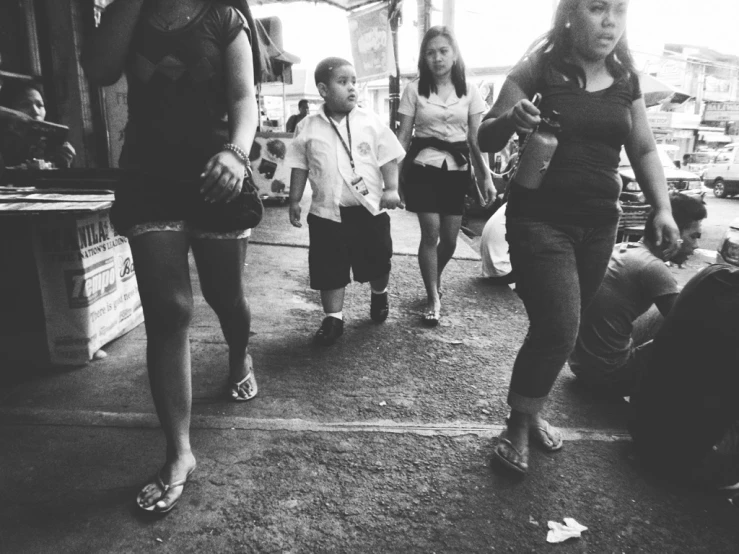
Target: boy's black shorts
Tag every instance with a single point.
(361, 242)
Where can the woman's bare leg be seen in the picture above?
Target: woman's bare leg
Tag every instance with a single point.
(428, 258)
(448, 233)
(163, 277)
(220, 265)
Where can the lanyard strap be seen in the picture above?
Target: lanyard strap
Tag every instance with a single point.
(348, 135)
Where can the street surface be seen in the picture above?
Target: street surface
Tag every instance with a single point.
(379, 444)
(721, 212)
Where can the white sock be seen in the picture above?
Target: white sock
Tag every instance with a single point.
(337, 315)
(383, 291)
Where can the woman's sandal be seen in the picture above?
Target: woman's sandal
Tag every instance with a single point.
(164, 488)
(246, 389)
(510, 457)
(546, 437)
(431, 318)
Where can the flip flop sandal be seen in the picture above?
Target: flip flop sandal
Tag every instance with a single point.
(246, 389)
(510, 457)
(546, 437)
(164, 488)
(431, 318)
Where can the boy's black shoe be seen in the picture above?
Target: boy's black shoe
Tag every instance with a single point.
(331, 329)
(379, 307)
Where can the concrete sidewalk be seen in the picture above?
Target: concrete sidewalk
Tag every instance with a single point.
(379, 444)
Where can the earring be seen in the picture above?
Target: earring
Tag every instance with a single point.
(567, 25)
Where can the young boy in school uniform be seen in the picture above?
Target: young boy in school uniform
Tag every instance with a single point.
(348, 153)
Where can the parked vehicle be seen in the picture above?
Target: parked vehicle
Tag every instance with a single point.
(697, 162)
(728, 248)
(679, 180)
(723, 174)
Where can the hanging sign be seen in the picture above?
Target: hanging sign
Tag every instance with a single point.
(372, 45)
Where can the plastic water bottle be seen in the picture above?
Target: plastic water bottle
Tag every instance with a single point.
(536, 152)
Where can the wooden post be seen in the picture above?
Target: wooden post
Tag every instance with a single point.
(394, 79)
(424, 18)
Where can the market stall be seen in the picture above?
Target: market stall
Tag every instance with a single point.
(68, 284)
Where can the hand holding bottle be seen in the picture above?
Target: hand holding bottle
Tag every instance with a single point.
(524, 115)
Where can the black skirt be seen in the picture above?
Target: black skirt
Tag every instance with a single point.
(429, 189)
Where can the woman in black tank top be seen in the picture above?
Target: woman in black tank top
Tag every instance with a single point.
(190, 65)
(561, 234)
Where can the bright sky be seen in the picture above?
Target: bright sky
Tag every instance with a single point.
(497, 32)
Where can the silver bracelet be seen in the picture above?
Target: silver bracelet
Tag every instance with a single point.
(240, 154)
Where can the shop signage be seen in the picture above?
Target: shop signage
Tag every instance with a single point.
(659, 119)
(721, 111)
(372, 45)
(682, 134)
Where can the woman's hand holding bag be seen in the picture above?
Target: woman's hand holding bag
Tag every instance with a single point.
(229, 197)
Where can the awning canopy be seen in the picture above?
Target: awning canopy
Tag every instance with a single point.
(656, 91)
(343, 4)
(276, 62)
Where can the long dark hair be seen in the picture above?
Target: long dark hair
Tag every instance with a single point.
(556, 46)
(256, 54)
(426, 83)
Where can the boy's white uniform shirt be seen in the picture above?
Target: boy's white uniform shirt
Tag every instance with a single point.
(318, 149)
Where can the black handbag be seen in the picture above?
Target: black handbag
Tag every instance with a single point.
(145, 198)
(243, 212)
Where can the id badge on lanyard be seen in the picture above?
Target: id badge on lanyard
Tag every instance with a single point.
(357, 182)
(359, 185)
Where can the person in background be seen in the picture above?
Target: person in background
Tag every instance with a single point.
(352, 159)
(190, 164)
(27, 97)
(293, 120)
(443, 109)
(617, 328)
(561, 234)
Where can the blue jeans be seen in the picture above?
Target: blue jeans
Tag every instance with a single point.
(558, 271)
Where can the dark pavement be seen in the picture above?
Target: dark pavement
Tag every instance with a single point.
(381, 443)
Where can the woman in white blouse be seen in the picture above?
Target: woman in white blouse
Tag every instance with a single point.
(444, 110)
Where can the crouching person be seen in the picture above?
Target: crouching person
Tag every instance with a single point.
(348, 152)
(637, 292)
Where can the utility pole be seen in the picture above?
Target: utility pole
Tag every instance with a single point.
(701, 88)
(394, 79)
(449, 13)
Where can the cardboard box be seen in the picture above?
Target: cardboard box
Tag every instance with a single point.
(67, 283)
(88, 284)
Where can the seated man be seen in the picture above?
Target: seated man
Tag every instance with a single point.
(614, 340)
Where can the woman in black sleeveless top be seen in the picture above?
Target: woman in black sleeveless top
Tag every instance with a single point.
(191, 67)
(561, 234)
